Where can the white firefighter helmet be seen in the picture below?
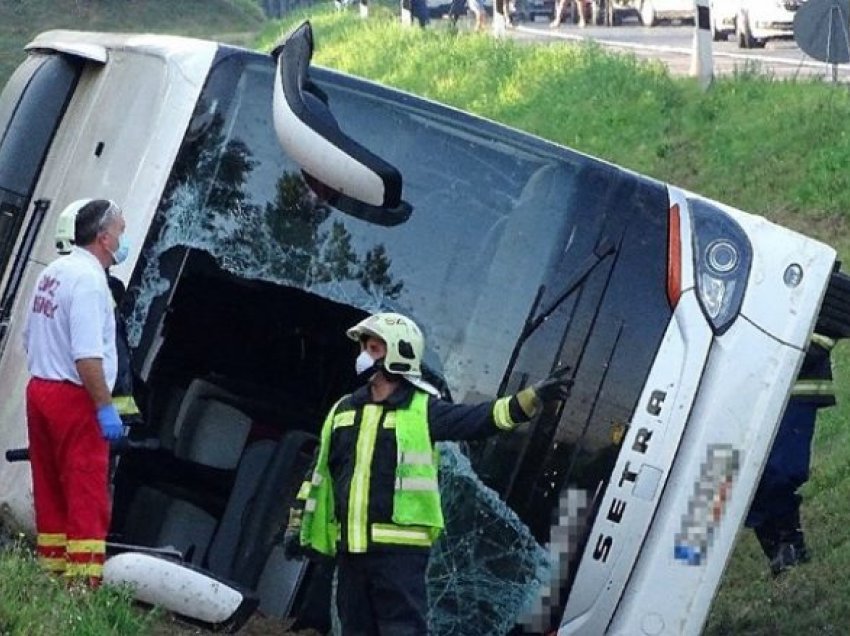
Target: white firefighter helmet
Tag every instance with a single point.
(65, 225)
(405, 345)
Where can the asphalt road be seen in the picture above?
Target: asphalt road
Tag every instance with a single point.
(673, 44)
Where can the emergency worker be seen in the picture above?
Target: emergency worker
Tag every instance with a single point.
(372, 500)
(775, 511)
(122, 393)
(70, 343)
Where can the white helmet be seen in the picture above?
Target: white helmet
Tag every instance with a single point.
(403, 339)
(405, 345)
(66, 224)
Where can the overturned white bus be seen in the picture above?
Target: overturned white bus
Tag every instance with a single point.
(684, 321)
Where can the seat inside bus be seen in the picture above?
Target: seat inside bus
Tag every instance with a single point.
(208, 432)
(236, 399)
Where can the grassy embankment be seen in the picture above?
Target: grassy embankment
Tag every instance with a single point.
(235, 21)
(777, 149)
(33, 603)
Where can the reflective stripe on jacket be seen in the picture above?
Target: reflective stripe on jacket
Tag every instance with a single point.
(319, 528)
(416, 500)
(417, 517)
(814, 382)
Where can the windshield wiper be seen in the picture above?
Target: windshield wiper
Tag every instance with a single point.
(604, 248)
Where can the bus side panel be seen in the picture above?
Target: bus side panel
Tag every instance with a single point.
(716, 470)
(743, 392)
(641, 472)
(118, 140)
(15, 483)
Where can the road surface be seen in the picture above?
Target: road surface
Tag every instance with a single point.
(673, 45)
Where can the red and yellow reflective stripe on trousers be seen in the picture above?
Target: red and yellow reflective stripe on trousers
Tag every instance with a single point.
(85, 558)
(50, 549)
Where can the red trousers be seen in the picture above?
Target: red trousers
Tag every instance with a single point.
(69, 460)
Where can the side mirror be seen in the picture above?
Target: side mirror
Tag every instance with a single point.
(337, 168)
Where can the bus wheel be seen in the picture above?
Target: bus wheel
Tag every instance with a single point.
(834, 318)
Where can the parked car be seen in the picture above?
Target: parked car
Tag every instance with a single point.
(753, 22)
(528, 10)
(654, 11)
(594, 11)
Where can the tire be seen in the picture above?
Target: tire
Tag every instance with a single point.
(647, 14)
(834, 317)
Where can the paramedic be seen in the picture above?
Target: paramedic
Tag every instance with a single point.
(775, 511)
(122, 392)
(70, 342)
(372, 500)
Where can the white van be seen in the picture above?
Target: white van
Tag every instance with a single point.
(753, 22)
(684, 321)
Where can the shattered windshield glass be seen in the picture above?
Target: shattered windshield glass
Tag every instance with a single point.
(466, 266)
(489, 219)
(486, 570)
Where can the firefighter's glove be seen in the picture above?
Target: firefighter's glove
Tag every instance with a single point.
(556, 387)
(111, 426)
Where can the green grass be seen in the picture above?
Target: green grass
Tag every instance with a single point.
(235, 21)
(34, 604)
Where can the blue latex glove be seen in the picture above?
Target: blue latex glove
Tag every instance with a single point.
(111, 425)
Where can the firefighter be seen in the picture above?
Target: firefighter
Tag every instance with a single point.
(775, 511)
(70, 343)
(372, 499)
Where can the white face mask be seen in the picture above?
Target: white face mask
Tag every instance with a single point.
(364, 362)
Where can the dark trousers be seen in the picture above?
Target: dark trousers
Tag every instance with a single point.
(457, 9)
(776, 502)
(419, 10)
(382, 593)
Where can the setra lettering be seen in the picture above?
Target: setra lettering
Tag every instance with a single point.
(615, 512)
(628, 475)
(603, 547)
(656, 401)
(641, 442)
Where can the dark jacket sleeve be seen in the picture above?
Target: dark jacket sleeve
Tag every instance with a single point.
(814, 383)
(449, 421)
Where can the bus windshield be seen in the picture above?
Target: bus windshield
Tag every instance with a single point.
(487, 216)
(507, 262)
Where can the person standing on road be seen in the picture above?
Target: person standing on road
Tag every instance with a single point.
(775, 511)
(561, 13)
(459, 7)
(372, 500)
(70, 343)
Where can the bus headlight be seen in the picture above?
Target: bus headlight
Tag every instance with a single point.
(723, 256)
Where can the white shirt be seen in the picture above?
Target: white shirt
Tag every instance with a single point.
(71, 318)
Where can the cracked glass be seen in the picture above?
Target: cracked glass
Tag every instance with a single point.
(486, 226)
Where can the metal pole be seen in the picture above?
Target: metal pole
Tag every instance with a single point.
(702, 60)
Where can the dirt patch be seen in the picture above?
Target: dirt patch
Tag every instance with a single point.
(257, 625)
